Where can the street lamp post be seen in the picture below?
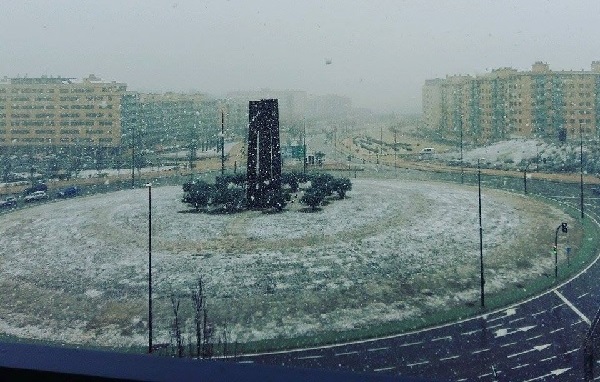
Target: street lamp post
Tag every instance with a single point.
(480, 236)
(304, 148)
(149, 185)
(581, 166)
(563, 227)
(462, 167)
(222, 142)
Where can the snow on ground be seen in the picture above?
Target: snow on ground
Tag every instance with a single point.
(75, 271)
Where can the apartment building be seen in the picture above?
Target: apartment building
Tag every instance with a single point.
(508, 103)
(58, 111)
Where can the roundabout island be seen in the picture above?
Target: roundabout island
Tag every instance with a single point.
(395, 254)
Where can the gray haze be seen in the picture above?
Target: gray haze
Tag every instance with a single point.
(380, 51)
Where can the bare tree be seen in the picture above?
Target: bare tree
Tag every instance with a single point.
(199, 314)
(177, 325)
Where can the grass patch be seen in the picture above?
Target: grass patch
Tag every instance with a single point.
(590, 244)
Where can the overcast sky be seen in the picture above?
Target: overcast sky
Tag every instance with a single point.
(381, 52)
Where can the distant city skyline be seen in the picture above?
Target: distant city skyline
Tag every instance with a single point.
(378, 54)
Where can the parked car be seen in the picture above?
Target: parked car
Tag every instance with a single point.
(35, 196)
(68, 192)
(9, 202)
(36, 187)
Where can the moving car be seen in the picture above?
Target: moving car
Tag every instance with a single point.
(9, 202)
(36, 187)
(35, 196)
(69, 192)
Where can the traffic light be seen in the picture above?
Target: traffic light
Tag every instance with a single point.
(563, 226)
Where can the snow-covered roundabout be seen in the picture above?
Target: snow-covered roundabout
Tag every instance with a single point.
(75, 271)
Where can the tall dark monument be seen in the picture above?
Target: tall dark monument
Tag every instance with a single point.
(264, 155)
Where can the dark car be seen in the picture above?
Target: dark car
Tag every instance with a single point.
(68, 192)
(36, 187)
(9, 202)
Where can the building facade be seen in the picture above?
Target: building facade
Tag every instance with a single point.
(508, 103)
(57, 111)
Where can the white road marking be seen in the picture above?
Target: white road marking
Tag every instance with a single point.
(571, 351)
(310, 357)
(577, 311)
(519, 366)
(533, 338)
(449, 358)
(535, 348)
(538, 313)
(556, 330)
(417, 364)
(471, 332)
(379, 349)
(508, 344)
(553, 373)
(346, 353)
(547, 359)
(385, 368)
(516, 319)
(449, 338)
(410, 344)
(249, 361)
(582, 295)
(480, 351)
(505, 332)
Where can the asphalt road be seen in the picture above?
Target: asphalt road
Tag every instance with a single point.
(537, 340)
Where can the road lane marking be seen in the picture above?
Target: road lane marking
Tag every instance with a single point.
(556, 330)
(553, 373)
(310, 357)
(538, 313)
(449, 338)
(495, 326)
(516, 319)
(533, 338)
(480, 351)
(249, 361)
(449, 358)
(508, 344)
(471, 332)
(385, 368)
(571, 351)
(535, 348)
(505, 332)
(379, 349)
(417, 363)
(582, 295)
(410, 344)
(346, 353)
(519, 366)
(577, 311)
(547, 359)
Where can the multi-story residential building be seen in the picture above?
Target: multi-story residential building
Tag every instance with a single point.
(57, 111)
(510, 103)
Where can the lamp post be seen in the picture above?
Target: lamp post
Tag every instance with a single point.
(563, 227)
(304, 148)
(581, 166)
(525, 178)
(149, 185)
(462, 167)
(480, 236)
(222, 142)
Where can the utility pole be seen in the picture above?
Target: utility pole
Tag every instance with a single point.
(222, 142)
(304, 148)
(480, 237)
(581, 165)
(149, 185)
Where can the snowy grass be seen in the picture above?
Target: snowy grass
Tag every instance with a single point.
(75, 271)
